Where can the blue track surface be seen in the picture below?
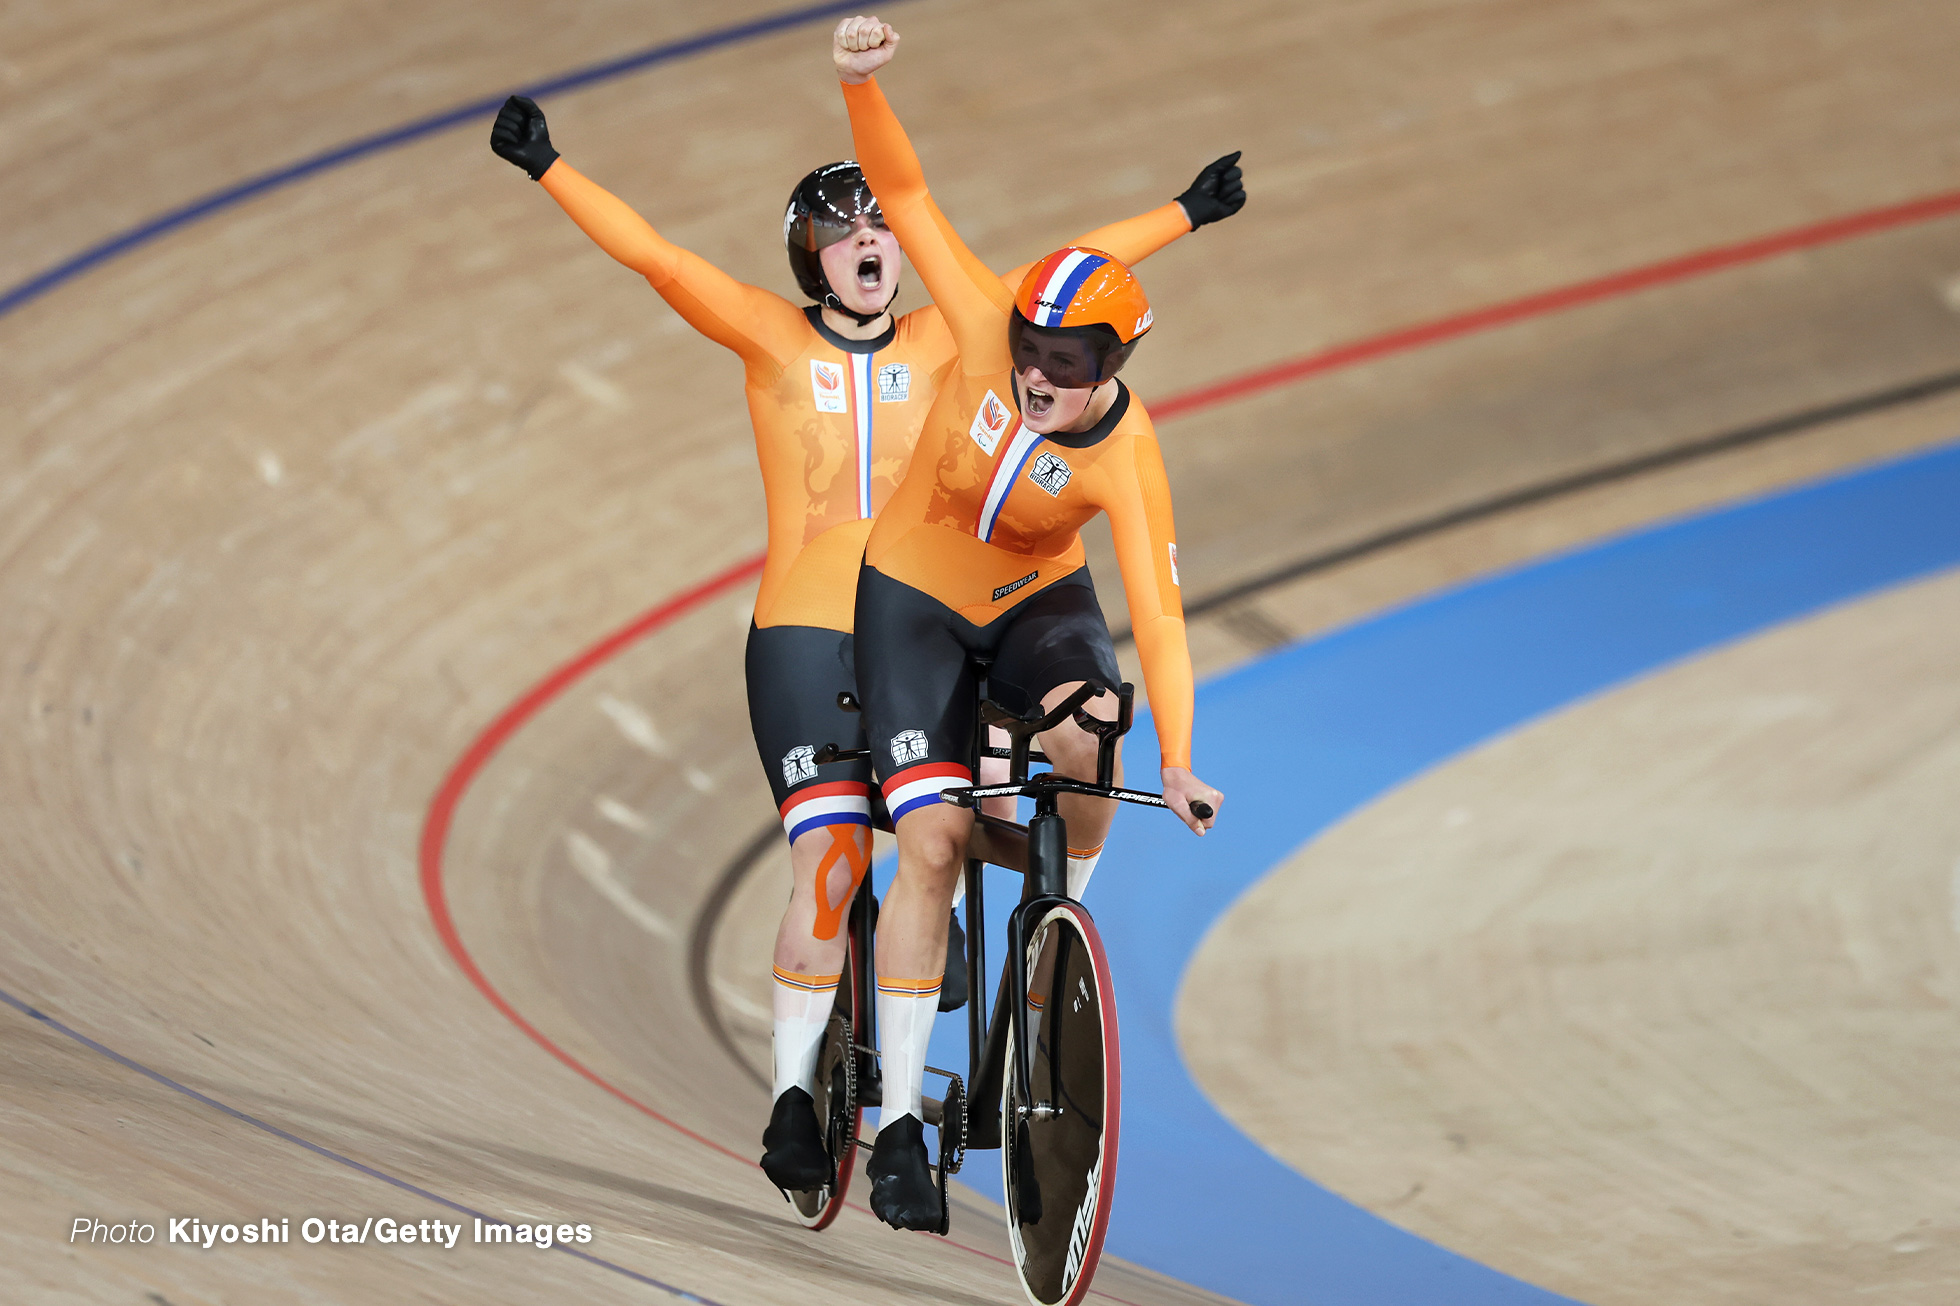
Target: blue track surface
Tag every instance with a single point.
(1304, 737)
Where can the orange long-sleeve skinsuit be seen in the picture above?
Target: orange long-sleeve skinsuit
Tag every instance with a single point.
(989, 513)
(835, 423)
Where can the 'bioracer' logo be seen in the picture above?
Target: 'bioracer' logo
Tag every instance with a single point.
(1050, 472)
(799, 764)
(908, 746)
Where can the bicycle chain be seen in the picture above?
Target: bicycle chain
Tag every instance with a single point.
(848, 1129)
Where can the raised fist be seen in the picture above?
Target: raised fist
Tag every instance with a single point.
(521, 136)
(1218, 193)
(860, 47)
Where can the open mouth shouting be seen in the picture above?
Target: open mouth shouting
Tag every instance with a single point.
(1036, 401)
(870, 272)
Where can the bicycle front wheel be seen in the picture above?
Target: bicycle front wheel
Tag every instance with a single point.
(1058, 1147)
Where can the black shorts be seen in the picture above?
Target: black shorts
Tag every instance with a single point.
(917, 680)
(794, 676)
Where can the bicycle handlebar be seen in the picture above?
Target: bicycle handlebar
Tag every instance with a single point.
(1049, 781)
(1021, 729)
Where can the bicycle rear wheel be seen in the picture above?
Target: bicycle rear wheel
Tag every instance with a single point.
(1058, 1149)
(836, 1100)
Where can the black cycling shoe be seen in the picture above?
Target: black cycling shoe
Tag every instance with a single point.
(795, 1158)
(952, 986)
(904, 1193)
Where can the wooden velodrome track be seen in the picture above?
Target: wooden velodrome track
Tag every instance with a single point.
(300, 497)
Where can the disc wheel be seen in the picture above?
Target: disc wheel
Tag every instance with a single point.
(836, 1101)
(1058, 1150)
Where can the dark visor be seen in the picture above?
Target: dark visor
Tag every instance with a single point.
(1071, 358)
(834, 212)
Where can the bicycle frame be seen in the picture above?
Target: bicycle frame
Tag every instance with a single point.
(1038, 850)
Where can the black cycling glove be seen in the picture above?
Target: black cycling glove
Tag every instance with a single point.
(521, 136)
(1218, 193)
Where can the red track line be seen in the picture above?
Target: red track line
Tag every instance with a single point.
(1560, 298)
(442, 809)
(442, 814)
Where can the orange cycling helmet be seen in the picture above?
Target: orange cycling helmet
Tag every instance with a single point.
(1077, 316)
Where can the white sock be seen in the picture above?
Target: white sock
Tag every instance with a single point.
(802, 1004)
(1081, 865)
(906, 1008)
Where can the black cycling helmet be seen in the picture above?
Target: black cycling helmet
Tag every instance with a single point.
(822, 210)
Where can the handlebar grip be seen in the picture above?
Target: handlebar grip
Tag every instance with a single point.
(1202, 810)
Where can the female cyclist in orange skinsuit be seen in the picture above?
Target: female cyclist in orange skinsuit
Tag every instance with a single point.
(837, 393)
(1029, 437)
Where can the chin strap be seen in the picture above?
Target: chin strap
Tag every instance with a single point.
(830, 300)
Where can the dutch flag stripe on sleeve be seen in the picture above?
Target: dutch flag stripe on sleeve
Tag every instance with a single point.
(917, 786)
(844, 802)
(1006, 472)
(1055, 294)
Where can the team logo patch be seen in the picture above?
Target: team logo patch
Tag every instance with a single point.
(799, 764)
(1174, 580)
(1050, 472)
(827, 386)
(1013, 585)
(894, 383)
(908, 746)
(989, 424)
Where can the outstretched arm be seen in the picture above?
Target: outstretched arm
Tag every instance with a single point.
(1216, 194)
(613, 225)
(1131, 240)
(971, 297)
(754, 323)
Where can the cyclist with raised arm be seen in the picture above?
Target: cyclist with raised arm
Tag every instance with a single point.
(978, 553)
(837, 393)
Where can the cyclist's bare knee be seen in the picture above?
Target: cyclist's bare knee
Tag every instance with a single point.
(826, 865)
(932, 844)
